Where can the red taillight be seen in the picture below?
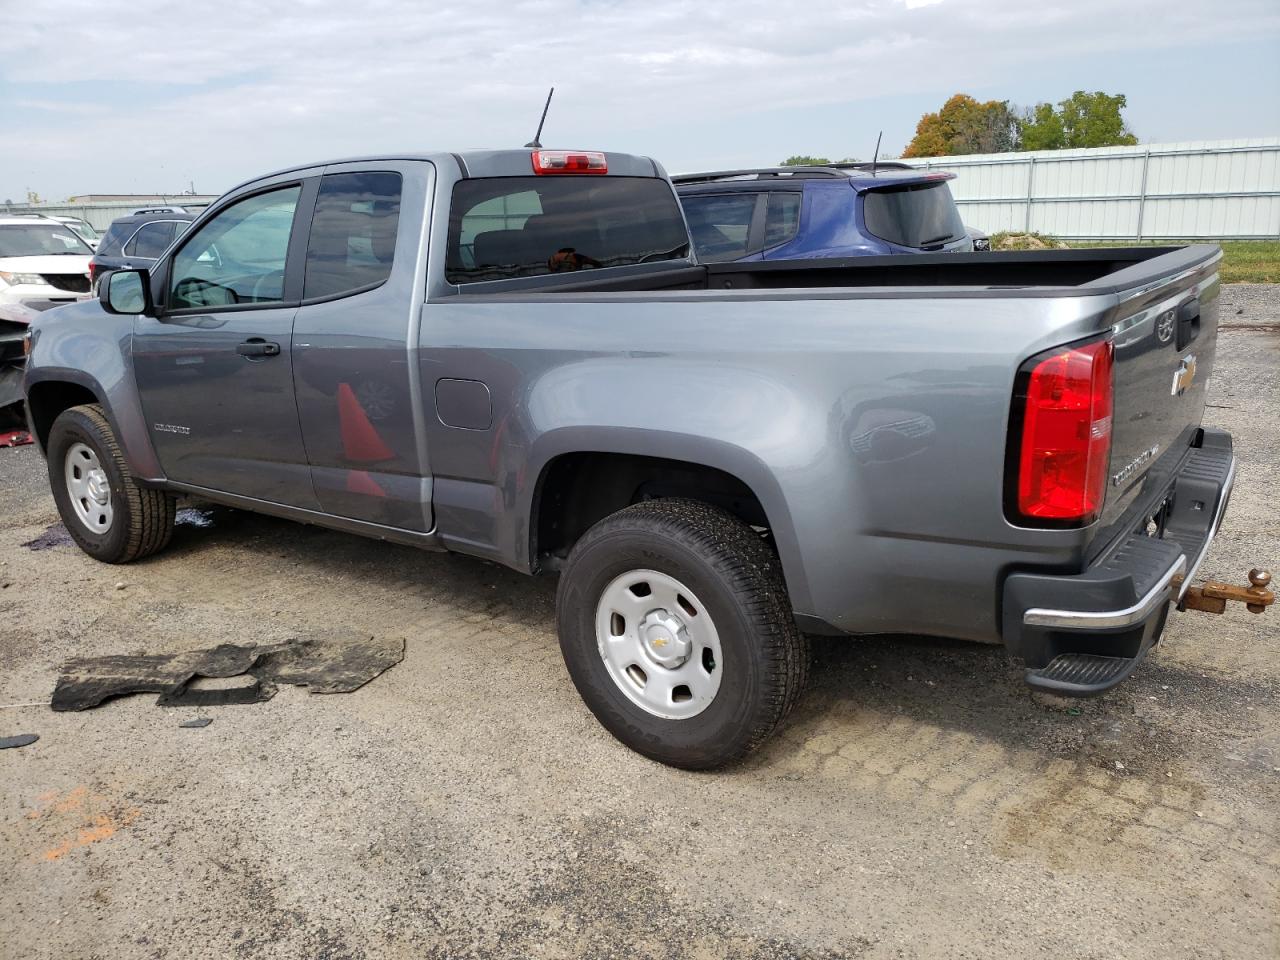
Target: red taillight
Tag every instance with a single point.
(1066, 435)
(93, 271)
(568, 161)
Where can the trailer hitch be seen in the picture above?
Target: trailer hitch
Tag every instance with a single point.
(1212, 597)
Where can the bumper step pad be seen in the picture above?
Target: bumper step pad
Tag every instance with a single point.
(1081, 674)
(1081, 634)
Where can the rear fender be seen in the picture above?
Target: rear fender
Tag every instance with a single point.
(724, 456)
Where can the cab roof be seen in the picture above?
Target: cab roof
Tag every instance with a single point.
(485, 163)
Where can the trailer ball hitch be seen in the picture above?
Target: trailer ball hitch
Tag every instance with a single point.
(1212, 597)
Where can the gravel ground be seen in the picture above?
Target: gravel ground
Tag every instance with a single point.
(920, 803)
(1250, 303)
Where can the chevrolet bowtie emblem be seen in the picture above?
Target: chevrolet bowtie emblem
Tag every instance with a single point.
(659, 642)
(1185, 375)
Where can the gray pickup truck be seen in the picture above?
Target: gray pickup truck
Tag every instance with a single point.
(515, 355)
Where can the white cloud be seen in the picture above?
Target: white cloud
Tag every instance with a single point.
(239, 86)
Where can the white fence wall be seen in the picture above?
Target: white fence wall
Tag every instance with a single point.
(99, 215)
(1219, 190)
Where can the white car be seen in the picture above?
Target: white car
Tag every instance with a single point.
(82, 227)
(43, 263)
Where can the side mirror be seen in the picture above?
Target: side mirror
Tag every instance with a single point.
(126, 292)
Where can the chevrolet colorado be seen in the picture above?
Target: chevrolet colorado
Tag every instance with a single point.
(516, 355)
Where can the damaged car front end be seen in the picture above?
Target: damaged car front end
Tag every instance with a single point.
(15, 323)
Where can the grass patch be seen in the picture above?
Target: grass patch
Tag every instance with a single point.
(1023, 240)
(1243, 261)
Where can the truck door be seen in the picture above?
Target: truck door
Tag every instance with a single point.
(355, 344)
(214, 369)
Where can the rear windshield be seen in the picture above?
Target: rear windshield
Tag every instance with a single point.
(504, 227)
(921, 215)
(81, 227)
(115, 236)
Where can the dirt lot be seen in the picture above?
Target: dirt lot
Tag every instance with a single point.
(920, 803)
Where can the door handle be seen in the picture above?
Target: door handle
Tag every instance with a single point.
(257, 347)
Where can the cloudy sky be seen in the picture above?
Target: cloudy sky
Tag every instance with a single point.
(151, 96)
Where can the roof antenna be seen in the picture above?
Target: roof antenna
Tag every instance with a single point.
(875, 156)
(536, 142)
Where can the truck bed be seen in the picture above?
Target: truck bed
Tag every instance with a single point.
(1096, 270)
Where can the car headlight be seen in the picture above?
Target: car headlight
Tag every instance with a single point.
(24, 278)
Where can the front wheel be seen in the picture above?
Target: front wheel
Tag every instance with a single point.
(108, 514)
(677, 631)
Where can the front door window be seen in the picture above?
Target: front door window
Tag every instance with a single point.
(238, 257)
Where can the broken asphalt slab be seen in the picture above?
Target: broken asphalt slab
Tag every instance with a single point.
(21, 740)
(334, 664)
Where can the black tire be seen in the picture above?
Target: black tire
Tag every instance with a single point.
(738, 578)
(143, 518)
(13, 417)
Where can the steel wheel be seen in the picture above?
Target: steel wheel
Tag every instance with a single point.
(676, 628)
(659, 644)
(88, 488)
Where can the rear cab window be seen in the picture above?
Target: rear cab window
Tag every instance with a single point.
(913, 215)
(506, 227)
(353, 234)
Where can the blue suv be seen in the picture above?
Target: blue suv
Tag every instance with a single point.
(137, 240)
(835, 210)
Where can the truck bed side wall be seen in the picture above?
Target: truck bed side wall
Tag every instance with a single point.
(873, 431)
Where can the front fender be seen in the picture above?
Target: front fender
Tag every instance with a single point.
(82, 344)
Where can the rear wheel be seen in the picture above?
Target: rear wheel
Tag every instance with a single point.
(676, 629)
(108, 514)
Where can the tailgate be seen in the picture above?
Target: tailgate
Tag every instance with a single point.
(1165, 333)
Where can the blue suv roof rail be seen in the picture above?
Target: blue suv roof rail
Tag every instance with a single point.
(868, 166)
(761, 173)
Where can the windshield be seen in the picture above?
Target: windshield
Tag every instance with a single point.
(920, 215)
(82, 228)
(40, 240)
(504, 227)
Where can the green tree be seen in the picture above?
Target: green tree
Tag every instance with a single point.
(964, 125)
(1082, 120)
(1094, 120)
(817, 161)
(1041, 129)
